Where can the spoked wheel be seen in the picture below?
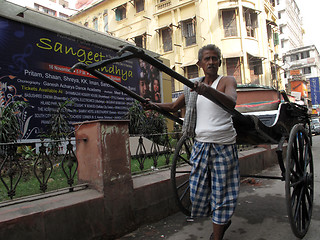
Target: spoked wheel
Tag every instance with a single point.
(180, 171)
(299, 180)
(308, 129)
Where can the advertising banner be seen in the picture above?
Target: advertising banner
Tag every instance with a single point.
(301, 87)
(315, 92)
(34, 67)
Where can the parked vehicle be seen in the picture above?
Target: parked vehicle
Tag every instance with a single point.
(315, 126)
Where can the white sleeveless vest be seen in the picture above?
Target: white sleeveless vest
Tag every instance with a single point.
(213, 124)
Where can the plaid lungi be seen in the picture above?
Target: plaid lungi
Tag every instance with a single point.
(214, 181)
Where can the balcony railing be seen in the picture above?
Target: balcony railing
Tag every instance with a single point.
(164, 4)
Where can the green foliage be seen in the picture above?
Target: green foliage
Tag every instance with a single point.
(27, 152)
(10, 122)
(145, 122)
(59, 127)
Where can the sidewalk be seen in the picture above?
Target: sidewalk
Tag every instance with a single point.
(260, 215)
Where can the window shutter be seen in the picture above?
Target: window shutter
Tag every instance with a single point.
(258, 70)
(254, 20)
(276, 39)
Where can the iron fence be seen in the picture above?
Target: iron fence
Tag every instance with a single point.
(21, 163)
(29, 169)
(154, 151)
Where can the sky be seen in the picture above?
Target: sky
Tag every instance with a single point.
(309, 10)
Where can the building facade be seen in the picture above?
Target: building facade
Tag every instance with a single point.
(290, 25)
(290, 30)
(57, 8)
(301, 64)
(177, 29)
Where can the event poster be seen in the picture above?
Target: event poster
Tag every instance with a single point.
(315, 92)
(34, 67)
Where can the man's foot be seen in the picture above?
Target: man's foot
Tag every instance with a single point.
(224, 229)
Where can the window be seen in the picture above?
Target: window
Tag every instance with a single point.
(281, 30)
(273, 71)
(139, 4)
(105, 21)
(234, 68)
(255, 66)
(95, 24)
(192, 71)
(269, 32)
(251, 19)
(64, 16)
(172, 84)
(282, 43)
(294, 57)
(45, 10)
(307, 70)
(272, 2)
(166, 34)
(121, 12)
(229, 23)
(189, 31)
(141, 41)
(305, 54)
(279, 15)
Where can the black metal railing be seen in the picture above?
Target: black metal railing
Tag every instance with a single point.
(154, 151)
(26, 171)
(21, 165)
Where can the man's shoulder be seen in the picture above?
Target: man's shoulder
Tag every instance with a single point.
(229, 79)
(197, 79)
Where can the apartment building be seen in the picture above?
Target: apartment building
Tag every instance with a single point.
(57, 8)
(290, 25)
(244, 30)
(302, 64)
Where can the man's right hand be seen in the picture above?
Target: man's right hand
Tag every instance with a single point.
(147, 105)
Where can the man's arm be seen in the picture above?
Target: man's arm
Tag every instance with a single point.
(169, 107)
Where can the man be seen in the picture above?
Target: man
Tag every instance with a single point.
(214, 178)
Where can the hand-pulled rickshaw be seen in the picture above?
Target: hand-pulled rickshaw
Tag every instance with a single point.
(287, 125)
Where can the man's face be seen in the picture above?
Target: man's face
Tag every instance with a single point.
(210, 62)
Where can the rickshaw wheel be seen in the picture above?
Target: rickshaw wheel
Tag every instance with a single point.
(308, 129)
(180, 172)
(299, 181)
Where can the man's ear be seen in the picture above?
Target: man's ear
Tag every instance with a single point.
(220, 62)
(198, 63)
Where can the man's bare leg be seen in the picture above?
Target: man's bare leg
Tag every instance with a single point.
(218, 231)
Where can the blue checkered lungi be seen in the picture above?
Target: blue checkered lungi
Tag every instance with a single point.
(214, 181)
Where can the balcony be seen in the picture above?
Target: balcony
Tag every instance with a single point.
(162, 5)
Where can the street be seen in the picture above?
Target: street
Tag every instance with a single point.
(260, 215)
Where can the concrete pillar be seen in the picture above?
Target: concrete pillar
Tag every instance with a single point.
(105, 163)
